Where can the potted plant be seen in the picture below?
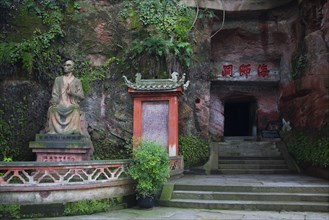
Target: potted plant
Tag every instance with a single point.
(150, 170)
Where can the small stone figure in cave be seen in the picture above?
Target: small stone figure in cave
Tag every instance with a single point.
(64, 110)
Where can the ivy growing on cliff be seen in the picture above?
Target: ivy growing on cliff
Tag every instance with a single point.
(11, 128)
(308, 147)
(34, 48)
(195, 150)
(160, 29)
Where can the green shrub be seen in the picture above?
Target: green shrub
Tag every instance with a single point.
(83, 207)
(194, 150)
(150, 168)
(86, 207)
(9, 211)
(308, 147)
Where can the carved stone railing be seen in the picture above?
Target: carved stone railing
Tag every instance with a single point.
(58, 182)
(59, 174)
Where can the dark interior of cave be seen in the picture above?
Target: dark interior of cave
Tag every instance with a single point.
(238, 118)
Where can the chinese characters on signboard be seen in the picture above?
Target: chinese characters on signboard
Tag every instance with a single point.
(262, 70)
(245, 70)
(227, 70)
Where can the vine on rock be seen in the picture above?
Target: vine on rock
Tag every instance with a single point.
(160, 30)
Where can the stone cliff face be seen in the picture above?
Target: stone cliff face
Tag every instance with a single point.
(251, 40)
(305, 100)
(293, 40)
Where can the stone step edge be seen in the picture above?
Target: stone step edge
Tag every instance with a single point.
(229, 140)
(252, 202)
(251, 170)
(246, 172)
(68, 146)
(249, 188)
(252, 166)
(250, 193)
(240, 161)
(249, 158)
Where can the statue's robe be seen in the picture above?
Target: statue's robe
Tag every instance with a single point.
(64, 112)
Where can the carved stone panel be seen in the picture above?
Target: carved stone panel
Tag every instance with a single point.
(155, 121)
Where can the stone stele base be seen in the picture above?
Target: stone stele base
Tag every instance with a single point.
(60, 147)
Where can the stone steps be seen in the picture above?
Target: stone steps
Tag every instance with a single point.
(250, 157)
(288, 197)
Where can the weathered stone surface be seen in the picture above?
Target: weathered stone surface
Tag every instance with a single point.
(266, 98)
(325, 22)
(155, 121)
(267, 38)
(317, 54)
(100, 31)
(202, 114)
(305, 102)
(311, 15)
(59, 147)
(216, 120)
(198, 99)
(96, 59)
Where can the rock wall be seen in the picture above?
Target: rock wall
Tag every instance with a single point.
(252, 38)
(281, 37)
(292, 40)
(304, 99)
(23, 112)
(265, 98)
(91, 35)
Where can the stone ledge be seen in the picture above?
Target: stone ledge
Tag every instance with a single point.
(65, 195)
(237, 5)
(31, 164)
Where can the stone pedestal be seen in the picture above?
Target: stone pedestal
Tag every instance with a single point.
(60, 147)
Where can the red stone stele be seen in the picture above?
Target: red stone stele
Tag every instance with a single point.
(157, 96)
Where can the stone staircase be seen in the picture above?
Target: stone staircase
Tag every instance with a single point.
(254, 175)
(250, 157)
(273, 193)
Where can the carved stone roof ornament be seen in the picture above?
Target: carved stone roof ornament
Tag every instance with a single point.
(157, 84)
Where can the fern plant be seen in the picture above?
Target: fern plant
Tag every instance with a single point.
(162, 28)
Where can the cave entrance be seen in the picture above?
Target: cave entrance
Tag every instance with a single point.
(240, 118)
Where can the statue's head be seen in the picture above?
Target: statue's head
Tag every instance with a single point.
(68, 66)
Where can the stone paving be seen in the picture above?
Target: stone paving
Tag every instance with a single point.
(197, 214)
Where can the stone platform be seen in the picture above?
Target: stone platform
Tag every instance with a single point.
(60, 147)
